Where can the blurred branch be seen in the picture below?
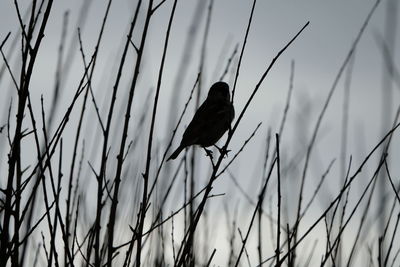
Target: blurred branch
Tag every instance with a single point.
(146, 174)
(325, 106)
(342, 190)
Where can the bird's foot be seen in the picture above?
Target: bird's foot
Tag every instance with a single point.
(209, 153)
(223, 150)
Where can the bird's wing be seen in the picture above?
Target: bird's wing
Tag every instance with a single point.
(207, 116)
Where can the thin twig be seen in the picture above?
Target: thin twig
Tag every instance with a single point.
(240, 150)
(242, 50)
(343, 189)
(327, 101)
(263, 190)
(145, 198)
(278, 226)
(228, 64)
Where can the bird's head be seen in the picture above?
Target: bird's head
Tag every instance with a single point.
(219, 90)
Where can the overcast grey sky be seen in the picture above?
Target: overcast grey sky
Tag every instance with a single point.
(318, 54)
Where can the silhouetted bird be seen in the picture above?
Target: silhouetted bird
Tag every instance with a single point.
(211, 120)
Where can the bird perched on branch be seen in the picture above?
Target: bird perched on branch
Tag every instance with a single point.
(211, 120)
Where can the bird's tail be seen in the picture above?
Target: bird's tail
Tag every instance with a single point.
(176, 153)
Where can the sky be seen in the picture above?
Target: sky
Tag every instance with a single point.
(318, 54)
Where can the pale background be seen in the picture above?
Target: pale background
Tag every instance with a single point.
(318, 54)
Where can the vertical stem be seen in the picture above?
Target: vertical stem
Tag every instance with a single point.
(278, 225)
(150, 141)
(120, 157)
(15, 153)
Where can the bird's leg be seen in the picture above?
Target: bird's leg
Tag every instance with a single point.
(210, 154)
(222, 150)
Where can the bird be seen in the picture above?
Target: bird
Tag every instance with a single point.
(211, 120)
